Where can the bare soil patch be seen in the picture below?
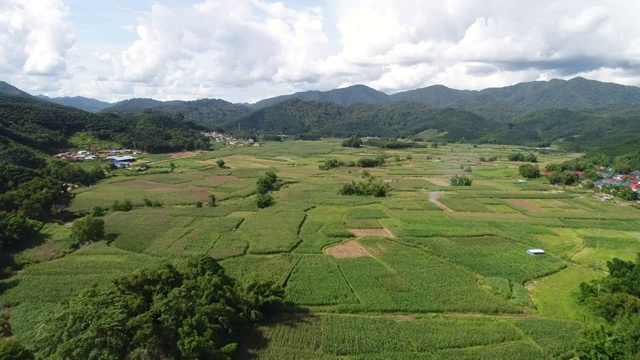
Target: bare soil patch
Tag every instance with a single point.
(182, 154)
(524, 205)
(372, 233)
(438, 181)
(349, 249)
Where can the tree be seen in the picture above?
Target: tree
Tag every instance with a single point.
(354, 142)
(268, 182)
(264, 200)
(460, 181)
(220, 163)
(87, 229)
(529, 171)
(197, 312)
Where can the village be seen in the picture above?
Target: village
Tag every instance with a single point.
(228, 139)
(119, 158)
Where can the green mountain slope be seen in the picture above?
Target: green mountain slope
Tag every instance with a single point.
(295, 116)
(79, 102)
(507, 103)
(9, 89)
(207, 112)
(346, 96)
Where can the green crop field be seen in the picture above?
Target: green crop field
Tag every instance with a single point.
(431, 271)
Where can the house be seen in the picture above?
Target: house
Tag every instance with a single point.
(535, 251)
(121, 164)
(121, 158)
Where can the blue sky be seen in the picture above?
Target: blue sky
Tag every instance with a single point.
(246, 50)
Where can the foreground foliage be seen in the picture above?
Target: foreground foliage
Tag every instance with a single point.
(195, 313)
(616, 298)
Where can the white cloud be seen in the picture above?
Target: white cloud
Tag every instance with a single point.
(35, 36)
(249, 49)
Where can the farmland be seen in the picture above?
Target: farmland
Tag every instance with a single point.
(431, 271)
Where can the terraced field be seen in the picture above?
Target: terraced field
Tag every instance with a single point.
(373, 278)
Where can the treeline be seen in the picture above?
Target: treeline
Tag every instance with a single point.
(154, 133)
(33, 188)
(193, 312)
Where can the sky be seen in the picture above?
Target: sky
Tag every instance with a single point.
(247, 50)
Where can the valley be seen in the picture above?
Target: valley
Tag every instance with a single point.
(430, 271)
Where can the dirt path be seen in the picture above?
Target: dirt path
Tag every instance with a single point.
(434, 196)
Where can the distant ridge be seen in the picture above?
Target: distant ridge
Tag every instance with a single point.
(79, 102)
(209, 112)
(356, 94)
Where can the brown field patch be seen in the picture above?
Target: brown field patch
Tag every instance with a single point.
(438, 181)
(524, 205)
(349, 249)
(183, 154)
(372, 232)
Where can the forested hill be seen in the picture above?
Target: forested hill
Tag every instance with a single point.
(47, 127)
(79, 102)
(507, 103)
(9, 89)
(346, 96)
(208, 112)
(296, 116)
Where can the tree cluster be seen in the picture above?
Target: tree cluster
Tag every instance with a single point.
(197, 312)
(370, 187)
(265, 185)
(529, 171)
(460, 181)
(353, 141)
(371, 162)
(520, 157)
(563, 178)
(615, 298)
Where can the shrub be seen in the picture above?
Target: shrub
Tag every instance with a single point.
(331, 164)
(220, 163)
(87, 229)
(264, 200)
(371, 162)
(268, 182)
(368, 188)
(521, 157)
(460, 181)
(354, 142)
(529, 171)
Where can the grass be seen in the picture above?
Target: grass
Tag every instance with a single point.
(556, 296)
(316, 280)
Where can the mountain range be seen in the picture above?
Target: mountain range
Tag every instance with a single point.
(579, 113)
